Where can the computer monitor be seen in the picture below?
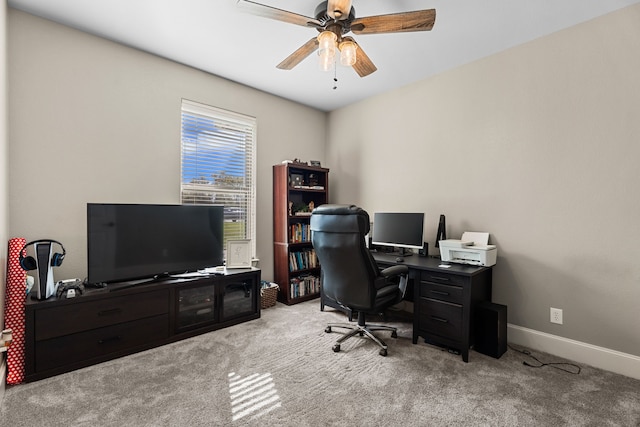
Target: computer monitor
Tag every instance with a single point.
(401, 230)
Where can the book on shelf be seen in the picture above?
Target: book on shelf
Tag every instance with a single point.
(308, 187)
(299, 233)
(304, 285)
(303, 260)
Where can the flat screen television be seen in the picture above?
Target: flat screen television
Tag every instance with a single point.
(402, 230)
(135, 241)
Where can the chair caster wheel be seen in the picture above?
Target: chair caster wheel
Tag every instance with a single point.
(336, 348)
(394, 334)
(383, 352)
(361, 333)
(327, 329)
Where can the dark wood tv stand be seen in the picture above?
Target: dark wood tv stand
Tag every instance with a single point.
(62, 335)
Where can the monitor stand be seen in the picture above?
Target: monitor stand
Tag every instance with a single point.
(404, 252)
(401, 253)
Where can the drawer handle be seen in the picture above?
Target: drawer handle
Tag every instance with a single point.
(440, 278)
(110, 312)
(439, 319)
(439, 292)
(110, 339)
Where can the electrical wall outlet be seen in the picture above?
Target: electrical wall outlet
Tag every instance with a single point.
(556, 315)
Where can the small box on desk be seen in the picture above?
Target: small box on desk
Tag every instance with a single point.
(491, 329)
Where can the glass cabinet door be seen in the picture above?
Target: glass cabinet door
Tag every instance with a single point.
(196, 305)
(238, 298)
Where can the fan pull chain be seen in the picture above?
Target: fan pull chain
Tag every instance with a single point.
(335, 76)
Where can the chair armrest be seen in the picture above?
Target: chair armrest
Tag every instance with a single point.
(394, 270)
(401, 271)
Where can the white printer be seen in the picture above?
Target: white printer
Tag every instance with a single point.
(472, 248)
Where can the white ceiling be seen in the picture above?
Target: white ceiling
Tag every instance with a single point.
(218, 37)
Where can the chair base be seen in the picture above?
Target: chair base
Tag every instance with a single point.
(362, 330)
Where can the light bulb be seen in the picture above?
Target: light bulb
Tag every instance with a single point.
(348, 53)
(327, 42)
(327, 61)
(327, 49)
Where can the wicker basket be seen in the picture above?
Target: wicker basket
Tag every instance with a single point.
(269, 295)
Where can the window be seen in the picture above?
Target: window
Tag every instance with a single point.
(218, 166)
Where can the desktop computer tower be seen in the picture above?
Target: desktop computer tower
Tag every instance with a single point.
(490, 322)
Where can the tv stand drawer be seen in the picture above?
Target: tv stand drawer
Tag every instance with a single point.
(67, 350)
(74, 318)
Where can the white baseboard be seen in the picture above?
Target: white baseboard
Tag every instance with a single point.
(598, 357)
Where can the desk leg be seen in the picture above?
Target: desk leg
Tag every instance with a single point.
(465, 355)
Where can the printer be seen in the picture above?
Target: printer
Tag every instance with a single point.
(472, 248)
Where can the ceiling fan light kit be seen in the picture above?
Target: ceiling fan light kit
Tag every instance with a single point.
(333, 20)
(328, 44)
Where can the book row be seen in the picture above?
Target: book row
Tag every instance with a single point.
(303, 260)
(299, 233)
(304, 285)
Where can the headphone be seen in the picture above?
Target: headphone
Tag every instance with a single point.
(29, 262)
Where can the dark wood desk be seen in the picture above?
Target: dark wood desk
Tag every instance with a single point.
(444, 300)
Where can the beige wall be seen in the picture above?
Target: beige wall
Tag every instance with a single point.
(94, 121)
(3, 155)
(3, 175)
(538, 145)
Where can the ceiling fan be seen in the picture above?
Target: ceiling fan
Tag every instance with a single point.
(334, 19)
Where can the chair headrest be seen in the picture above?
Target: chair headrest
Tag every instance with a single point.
(330, 209)
(359, 219)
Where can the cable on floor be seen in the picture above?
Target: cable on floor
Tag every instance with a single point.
(570, 368)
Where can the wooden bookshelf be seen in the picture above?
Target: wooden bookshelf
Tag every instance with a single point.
(297, 189)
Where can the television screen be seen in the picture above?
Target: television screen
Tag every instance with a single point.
(134, 241)
(401, 230)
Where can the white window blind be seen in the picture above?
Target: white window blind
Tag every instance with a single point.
(218, 165)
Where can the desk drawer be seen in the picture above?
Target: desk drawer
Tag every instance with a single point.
(58, 352)
(440, 318)
(442, 292)
(90, 314)
(444, 278)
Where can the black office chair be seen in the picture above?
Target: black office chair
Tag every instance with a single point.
(349, 274)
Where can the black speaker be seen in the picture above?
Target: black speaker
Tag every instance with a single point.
(424, 251)
(442, 230)
(491, 329)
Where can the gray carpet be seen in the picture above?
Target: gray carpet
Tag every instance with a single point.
(280, 371)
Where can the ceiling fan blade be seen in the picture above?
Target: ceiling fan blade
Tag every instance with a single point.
(277, 14)
(301, 53)
(420, 20)
(363, 65)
